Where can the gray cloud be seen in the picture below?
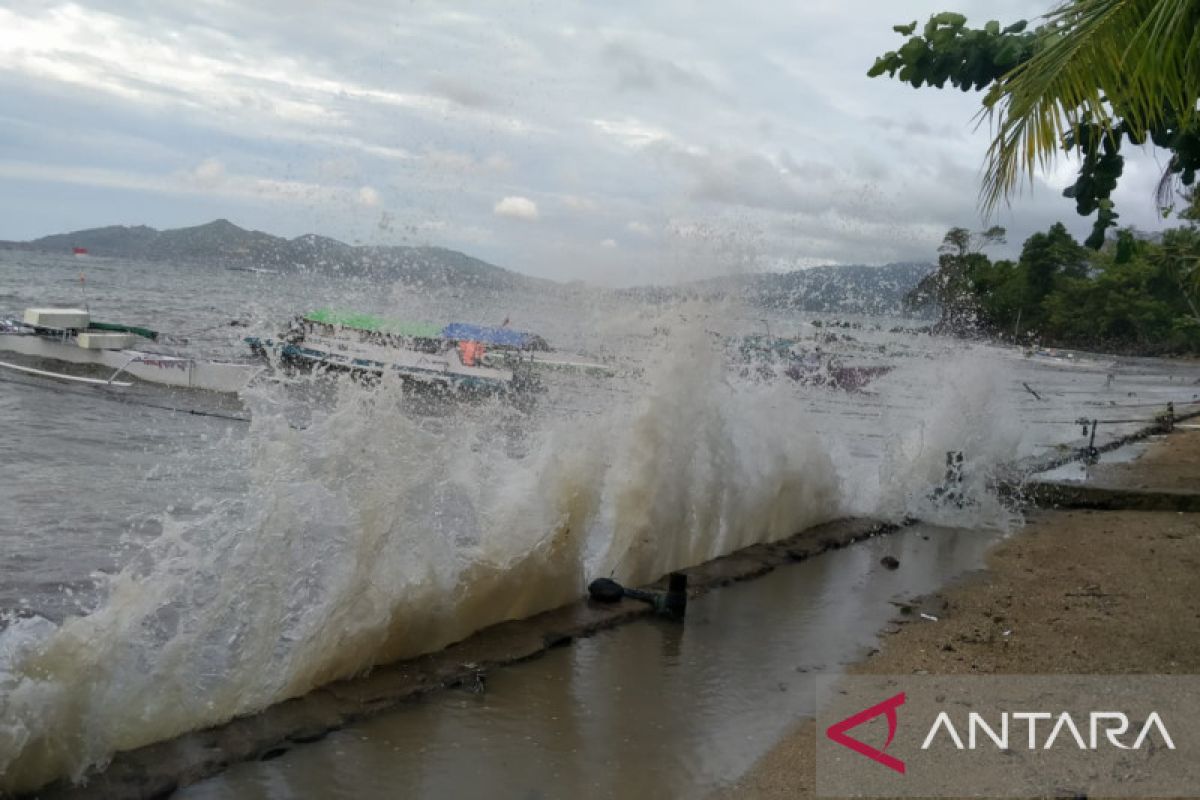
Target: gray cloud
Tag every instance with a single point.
(730, 134)
(744, 179)
(911, 126)
(461, 92)
(638, 71)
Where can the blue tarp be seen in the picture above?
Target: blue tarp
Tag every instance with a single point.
(501, 337)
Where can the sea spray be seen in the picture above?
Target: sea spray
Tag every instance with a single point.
(706, 466)
(369, 534)
(967, 411)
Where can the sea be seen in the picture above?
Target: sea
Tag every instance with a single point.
(171, 559)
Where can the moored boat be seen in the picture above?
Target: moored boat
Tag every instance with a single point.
(459, 356)
(70, 336)
(368, 345)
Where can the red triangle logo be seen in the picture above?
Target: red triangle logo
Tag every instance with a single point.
(837, 732)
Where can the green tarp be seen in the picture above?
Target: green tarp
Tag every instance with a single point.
(371, 322)
(119, 328)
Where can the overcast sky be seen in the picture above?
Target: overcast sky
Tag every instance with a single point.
(615, 142)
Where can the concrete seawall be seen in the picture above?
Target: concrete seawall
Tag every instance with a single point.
(159, 769)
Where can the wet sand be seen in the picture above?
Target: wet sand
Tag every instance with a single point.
(1073, 592)
(1172, 464)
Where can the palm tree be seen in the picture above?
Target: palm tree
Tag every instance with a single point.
(1103, 62)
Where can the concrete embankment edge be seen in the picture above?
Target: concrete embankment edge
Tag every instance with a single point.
(159, 769)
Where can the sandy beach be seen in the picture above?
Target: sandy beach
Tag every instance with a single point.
(1072, 592)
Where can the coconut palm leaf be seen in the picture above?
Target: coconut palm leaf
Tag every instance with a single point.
(1098, 61)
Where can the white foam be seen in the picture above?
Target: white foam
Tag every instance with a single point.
(371, 534)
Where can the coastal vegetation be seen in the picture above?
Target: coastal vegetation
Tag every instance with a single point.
(1093, 76)
(1137, 294)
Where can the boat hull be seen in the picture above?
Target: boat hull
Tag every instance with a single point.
(430, 369)
(213, 376)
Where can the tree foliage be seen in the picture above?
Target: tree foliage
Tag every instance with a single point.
(1135, 295)
(952, 286)
(1095, 75)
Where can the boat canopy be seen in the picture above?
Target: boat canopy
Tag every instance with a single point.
(117, 327)
(376, 324)
(499, 337)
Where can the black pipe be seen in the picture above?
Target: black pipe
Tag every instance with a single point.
(671, 603)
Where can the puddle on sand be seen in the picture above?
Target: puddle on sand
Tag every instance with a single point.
(648, 709)
(1082, 471)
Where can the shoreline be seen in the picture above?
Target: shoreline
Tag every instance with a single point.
(1072, 592)
(158, 769)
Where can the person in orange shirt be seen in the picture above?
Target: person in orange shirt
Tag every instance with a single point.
(471, 353)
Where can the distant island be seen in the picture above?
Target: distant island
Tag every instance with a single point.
(855, 289)
(840, 289)
(222, 243)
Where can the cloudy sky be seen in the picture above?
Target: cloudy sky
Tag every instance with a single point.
(617, 142)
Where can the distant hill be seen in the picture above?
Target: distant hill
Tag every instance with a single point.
(847, 289)
(844, 289)
(854, 289)
(224, 244)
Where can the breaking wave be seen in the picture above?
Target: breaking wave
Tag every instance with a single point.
(369, 534)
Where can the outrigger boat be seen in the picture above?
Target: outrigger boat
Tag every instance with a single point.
(70, 335)
(366, 345)
(459, 356)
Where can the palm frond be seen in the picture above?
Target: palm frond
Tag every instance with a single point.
(1168, 62)
(1098, 60)
(1164, 190)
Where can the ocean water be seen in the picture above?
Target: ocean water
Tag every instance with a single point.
(162, 571)
(655, 709)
